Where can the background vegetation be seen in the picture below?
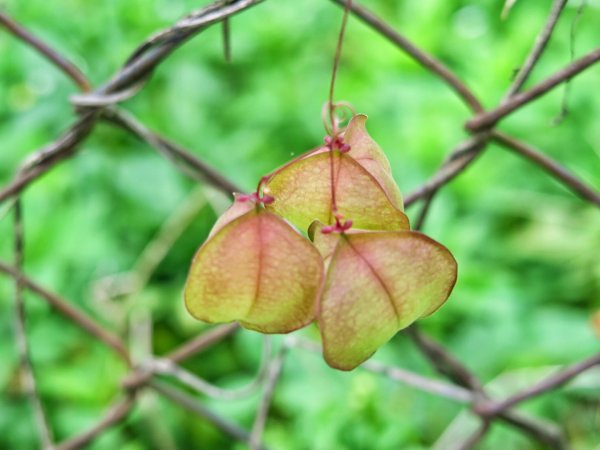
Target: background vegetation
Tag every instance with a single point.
(529, 271)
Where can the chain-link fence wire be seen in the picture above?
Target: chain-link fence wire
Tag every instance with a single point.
(94, 106)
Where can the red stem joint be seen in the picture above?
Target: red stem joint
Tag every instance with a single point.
(337, 143)
(338, 226)
(265, 199)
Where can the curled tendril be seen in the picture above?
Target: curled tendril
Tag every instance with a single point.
(332, 120)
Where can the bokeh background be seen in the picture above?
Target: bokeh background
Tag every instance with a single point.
(528, 249)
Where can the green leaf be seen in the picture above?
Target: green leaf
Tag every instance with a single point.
(256, 270)
(377, 283)
(303, 193)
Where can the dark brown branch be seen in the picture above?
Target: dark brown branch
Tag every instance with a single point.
(427, 200)
(448, 365)
(460, 158)
(164, 366)
(444, 362)
(70, 312)
(194, 406)
(545, 433)
(489, 119)
(423, 58)
(550, 166)
(439, 388)
(273, 373)
(60, 149)
(114, 415)
(136, 70)
(20, 330)
(538, 48)
(412, 379)
(49, 156)
(450, 168)
(202, 342)
(227, 40)
(58, 60)
(193, 166)
(475, 438)
(564, 107)
(554, 381)
(183, 352)
(145, 59)
(130, 79)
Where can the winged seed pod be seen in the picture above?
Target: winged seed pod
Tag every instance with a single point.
(377, 283)
(363, 186)
(255, 269)
(367, 275)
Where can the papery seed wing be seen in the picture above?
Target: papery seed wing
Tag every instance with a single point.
(368, 154)
(237, 209)
(257, 270)
(303, 194)
(378, 283)
(324, 243)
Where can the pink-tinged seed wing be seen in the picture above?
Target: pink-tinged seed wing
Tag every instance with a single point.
(237, 209)
(256, 270)
(324, 243)
(303, 194)
(369, 155)
(377, 284)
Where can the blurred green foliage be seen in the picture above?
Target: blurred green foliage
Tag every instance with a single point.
(529, 271)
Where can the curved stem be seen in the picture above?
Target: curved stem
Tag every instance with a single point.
(336, 63)
(331, 106)
(261, 183)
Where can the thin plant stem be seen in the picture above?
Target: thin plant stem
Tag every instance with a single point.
(336, 63)
(274, 372)
(334, 131)
(41, 420)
